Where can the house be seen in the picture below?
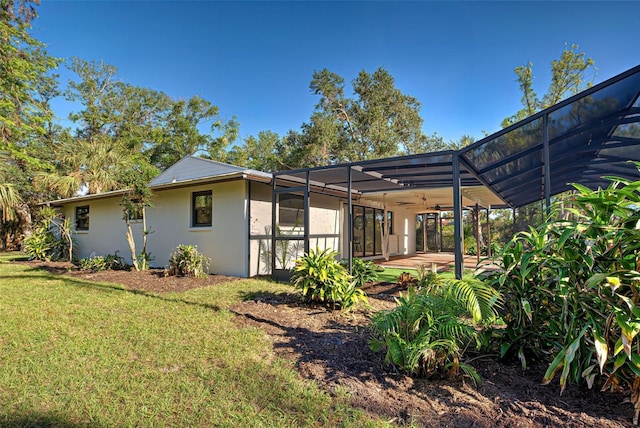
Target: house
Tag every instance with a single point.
(226, 211)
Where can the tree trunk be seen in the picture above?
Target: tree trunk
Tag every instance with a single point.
(145, 232)
(132, 245)
(24, 220)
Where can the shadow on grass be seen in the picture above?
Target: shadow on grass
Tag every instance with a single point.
(105, 286)
(42, 420)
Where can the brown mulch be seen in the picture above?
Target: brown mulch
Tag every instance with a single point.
(331, 348)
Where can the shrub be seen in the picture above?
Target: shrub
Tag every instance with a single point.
(363, 271)
(470, 246)
(427, 277)
(50, 238)
(320, 278)
(406, 280)
(429, 329)
(186, 260)
(573, 288)
(108, 262)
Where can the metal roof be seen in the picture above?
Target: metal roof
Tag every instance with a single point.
(192, 168)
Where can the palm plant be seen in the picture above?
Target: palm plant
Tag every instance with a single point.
(430, 329)
(573, 288)
(94, 165)
(9, 200)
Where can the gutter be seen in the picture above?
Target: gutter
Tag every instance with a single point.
(242, 175)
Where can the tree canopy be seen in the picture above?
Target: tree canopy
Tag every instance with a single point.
(119, 128)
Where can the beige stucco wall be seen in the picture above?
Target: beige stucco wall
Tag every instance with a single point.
(225, 242)
(169, 220)
(107, 231)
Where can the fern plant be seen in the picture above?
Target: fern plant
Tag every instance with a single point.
(321, 278)
(429, 329)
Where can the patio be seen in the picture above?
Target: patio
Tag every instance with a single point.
(443, 261)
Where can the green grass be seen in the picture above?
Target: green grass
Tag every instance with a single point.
(76, 353)
(391, 274)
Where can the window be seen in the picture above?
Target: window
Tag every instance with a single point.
(135, 214)
(291, 210)
(82, 217)
(201, 209)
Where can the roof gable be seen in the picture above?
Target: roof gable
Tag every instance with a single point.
(193, 168)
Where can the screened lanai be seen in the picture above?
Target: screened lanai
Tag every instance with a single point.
(583, 139)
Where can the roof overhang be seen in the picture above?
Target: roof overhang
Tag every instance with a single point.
(243, 175)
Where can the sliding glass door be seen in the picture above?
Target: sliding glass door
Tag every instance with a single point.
(367, 226)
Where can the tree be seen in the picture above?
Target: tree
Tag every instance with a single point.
(23, 60)
(425, 144)
(379, 121)
(386, 118)
(570, 74)
(24, 64)
(134, 206)
(89, 167)
(259, 153)
(181, 135)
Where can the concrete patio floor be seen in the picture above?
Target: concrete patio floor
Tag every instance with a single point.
(443, 261)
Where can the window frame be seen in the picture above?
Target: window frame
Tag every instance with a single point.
(82, 219)
(195, 210)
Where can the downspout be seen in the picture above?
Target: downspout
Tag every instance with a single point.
(248, 226)
(349, 221)
(273, 226)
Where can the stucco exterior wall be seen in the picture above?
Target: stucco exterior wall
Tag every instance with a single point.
(169, 220)
(225, 242)
(239, 240)
(107, 230)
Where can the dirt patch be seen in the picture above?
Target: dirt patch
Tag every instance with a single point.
(153, 280)
(331, 348)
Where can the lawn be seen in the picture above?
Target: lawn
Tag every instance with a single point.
(77, 353)
(391, 274)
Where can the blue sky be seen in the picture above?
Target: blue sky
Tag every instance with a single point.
(255, 59)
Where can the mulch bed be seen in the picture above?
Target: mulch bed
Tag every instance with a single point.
(331, 348)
